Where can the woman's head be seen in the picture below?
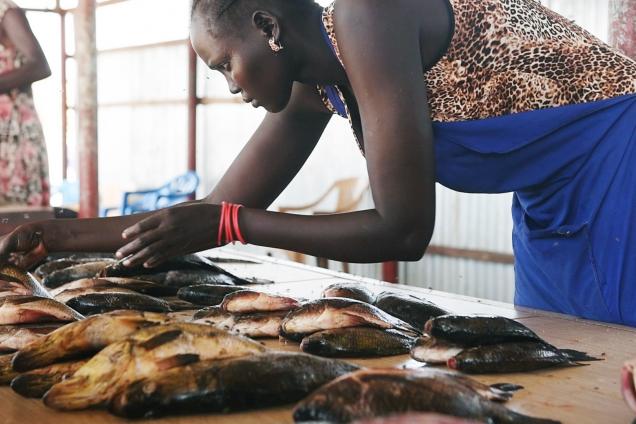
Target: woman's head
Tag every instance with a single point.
(233, 37)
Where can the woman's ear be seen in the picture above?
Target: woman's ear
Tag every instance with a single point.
(267, 24)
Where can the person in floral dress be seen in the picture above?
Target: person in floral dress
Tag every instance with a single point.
(24, 176)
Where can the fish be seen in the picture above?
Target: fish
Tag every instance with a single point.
(253, 301)
(236, 384)
(17, 275)
(409, 308)
(55, 265)
(357, 342)
(13, 337)
(34, 384)
(207, 294)
(7, 373)
(139, 286)
(513, 357)
(349, 290)
(219, 260)
(628, 383)
(67, 295)
(383, 392)
(336, 312)
(98, 303)
(75, 272)
(253, 324)
(478, 330)
(33, 309)
(183, 278)
(12, 288)
(84, 338)
(144, 354)
(434, 351)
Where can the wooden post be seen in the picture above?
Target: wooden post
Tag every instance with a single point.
(623, 26)
(86, 57)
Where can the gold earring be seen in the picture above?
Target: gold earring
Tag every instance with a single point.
(275, 46)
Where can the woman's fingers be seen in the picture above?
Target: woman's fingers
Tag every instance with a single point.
(142, 226)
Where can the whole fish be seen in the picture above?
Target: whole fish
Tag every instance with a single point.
(253, 324)
(98, 303)
(409, 308)
(349, 290)
(14, 338)
(628, 383)
(7, 373)
(139, 286)
(207, 294)
(253, 301)
(55, 265)
(357, 342)
(34, 384)
(144, 354)
(75, 272)
(512, 357)
(32, 309)
(335, 312)
(67, 295)
(434, 351)
(84, 338)
(478, 330)
(15, 274)
(236, 384)
(383, 392)
(219, 260)
(183, 278)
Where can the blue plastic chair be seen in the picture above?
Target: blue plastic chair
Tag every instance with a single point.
(177, 190)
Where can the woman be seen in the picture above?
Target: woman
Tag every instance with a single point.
(24, 175)
(479, 95)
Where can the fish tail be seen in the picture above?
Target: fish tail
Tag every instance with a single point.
(34, 385)
(576, 356)
(516, 418)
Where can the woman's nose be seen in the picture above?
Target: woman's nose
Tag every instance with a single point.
(234, 89)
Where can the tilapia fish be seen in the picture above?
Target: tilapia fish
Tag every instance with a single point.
(350, 291)
(7, 373)
(83, 338)
(408, 308)
(357, 342)
(13, 337)
(207, 294)
(55, 265)
(335, 312)
(139, 286)
(144, 354)
(628, 383)
(253, 301)
(34, 384)
(183, 278)
(32, 309)
(434, 351)
(512, 357)
(383, 392)
(236, 384)
(478, 330)
(97, 303)
(67, 295)
(75, 272)
(253, 324)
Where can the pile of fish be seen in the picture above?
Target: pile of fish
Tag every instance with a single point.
(628, 383)
(486, 344)
(372, 393)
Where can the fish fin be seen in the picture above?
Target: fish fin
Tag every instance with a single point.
(177, 361)
(160, 339)
(576, 356)
(506, 387)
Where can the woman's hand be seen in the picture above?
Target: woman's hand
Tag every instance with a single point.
(24, 246)
(170, 232)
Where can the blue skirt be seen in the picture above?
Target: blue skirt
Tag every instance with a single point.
(573, 173)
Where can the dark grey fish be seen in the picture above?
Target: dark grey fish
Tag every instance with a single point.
(513, 357)
(478, 330)
(67, 295)
(139, 286)
(337, 312)
(349, 290)
(357, 342)
(256, 381)
(98, 303)
(34, 384)
(409, 308)
(207, 294)
(75, 272)
(382, 392)
(55, 265)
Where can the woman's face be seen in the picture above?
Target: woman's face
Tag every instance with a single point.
(250, 67)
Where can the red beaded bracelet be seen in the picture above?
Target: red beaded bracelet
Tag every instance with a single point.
(229, 230)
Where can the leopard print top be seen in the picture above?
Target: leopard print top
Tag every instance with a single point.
(510, 56)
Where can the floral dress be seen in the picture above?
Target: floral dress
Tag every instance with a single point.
(24, 171)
